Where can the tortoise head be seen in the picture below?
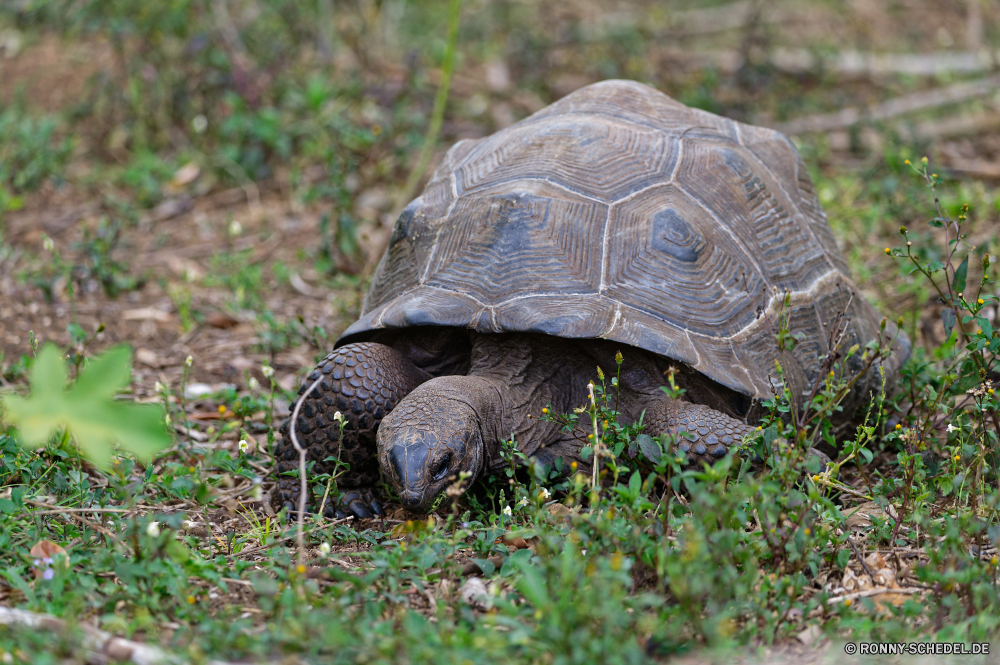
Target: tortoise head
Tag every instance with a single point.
(432, 436)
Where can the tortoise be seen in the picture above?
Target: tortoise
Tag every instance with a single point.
(615, 219)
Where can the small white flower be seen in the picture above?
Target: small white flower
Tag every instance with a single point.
(544, 494)
(153, 529)
(48, 244)
(158, 387)
(507, 511)
(952, 428)
(167, 420)
(324, 548)
(253, 384)
(267, 371)
(244, 445)
(199, 124)
(189, 361)
(339, 417)
(522, 502)
(187, 525)
(235, 228)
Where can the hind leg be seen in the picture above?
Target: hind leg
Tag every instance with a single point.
(708, 434)
(363, 382)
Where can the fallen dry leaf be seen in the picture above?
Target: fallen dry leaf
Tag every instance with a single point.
(221, 320)
(46, 555)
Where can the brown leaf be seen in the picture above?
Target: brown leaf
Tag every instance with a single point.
(46, 555)
(875, 561)
(220, 320)
(514, 542)
(46, 548)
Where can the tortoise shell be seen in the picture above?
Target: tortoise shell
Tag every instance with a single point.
(619, 213)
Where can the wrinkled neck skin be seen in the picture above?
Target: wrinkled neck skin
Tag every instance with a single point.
(455, 424)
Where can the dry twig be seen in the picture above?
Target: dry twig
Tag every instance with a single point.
(99, 645)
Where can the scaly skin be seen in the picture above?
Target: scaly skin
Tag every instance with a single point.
(363, 381)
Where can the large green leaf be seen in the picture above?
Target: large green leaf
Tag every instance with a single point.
(87, 408)
(958, 284)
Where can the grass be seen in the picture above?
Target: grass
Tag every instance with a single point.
(896, 541)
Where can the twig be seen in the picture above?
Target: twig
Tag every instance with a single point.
(101, 646)
(918, 101)
(864, 564)
(858, 63)
(54, 510)
(302, 468)
(872, 592)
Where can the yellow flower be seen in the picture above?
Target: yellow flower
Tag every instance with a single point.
(222, 408)
(907, 162)
(888, 251)
(993, 560)
(980, 301)
(847, 602)
(545, 410)
(300, 569)
(958, 457)
(898, 426)
(191, 600)
(807, 531)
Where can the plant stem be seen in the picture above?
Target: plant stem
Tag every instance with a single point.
(434, 128)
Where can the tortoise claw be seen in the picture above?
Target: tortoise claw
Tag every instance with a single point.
(360, 502)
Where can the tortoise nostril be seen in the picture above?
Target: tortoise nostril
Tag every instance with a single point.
(410, 500)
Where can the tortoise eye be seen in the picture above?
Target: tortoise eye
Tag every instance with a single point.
(441, 468)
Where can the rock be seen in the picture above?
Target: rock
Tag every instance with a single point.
(475, 593)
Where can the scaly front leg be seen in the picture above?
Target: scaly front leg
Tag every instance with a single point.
(364, 381)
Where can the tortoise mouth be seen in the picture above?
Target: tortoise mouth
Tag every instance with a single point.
(417, 503)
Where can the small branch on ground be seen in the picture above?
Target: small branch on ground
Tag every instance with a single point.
(918, 101)
(99, 646)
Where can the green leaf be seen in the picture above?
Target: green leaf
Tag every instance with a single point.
(532, 586)
(958, 284)
(635, 483)
(948, 319)
(88, 408)
(649, 447)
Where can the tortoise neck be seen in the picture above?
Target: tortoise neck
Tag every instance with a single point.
(525, 373)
